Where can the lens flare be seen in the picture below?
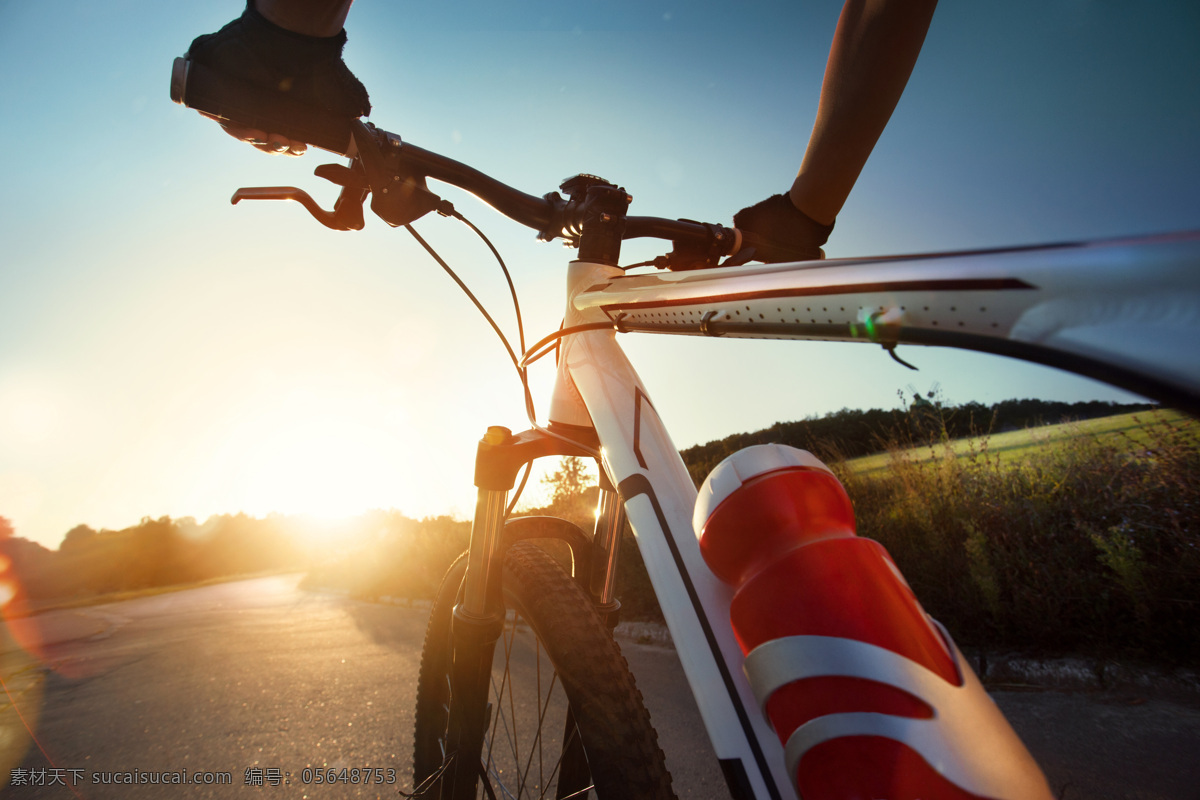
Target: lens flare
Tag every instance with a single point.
(20, 680)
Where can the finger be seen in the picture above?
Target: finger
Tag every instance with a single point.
(277, 143)
(240, 132)
(269, 143)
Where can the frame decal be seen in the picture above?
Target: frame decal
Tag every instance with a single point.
(638, 398)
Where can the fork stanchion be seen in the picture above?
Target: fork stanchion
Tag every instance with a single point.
(482, 561)
(866, 692)
(610, 524)
(477, 623)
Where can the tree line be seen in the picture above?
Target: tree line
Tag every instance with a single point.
(376, 553)
(153, 553)
(851, 433)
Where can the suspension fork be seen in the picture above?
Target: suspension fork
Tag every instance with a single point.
(606, 551)
(475, 627)
(478, 617)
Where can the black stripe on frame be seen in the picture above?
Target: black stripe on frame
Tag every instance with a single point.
(634, 486)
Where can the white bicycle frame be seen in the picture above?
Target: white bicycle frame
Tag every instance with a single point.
(1123, 311)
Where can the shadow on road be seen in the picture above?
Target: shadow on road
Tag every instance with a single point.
(394, 627)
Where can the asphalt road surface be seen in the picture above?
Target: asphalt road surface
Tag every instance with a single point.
(259, 681)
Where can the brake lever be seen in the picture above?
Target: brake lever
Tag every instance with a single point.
(302, 197)
(347, 214)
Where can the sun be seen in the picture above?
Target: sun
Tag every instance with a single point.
(318, 462)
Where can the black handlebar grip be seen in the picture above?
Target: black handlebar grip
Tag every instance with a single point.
(202, 89)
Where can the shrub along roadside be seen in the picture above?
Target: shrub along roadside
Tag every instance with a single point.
(1088, 546)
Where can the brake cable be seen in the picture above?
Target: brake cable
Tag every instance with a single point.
(520, 364)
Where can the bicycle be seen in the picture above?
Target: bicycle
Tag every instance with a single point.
(849, 706)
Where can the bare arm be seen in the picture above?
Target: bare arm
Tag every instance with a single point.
(875, 47)
(310, 17)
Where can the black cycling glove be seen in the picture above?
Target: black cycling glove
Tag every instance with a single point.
(778, 231)
(306, 69)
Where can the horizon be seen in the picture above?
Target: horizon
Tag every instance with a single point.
(313, 528)
(163, 353)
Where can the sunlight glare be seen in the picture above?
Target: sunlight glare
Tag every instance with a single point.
(29, 411)
(317, 461)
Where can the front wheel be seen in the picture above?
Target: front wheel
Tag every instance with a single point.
(564, 715)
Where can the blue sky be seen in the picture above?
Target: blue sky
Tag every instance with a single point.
(162, 352)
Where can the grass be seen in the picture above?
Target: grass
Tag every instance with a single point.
(1129, 430)
(1078, 538)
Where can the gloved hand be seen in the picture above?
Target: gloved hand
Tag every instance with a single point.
(307, 70)
(778, 231)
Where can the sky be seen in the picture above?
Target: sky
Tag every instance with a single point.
(165, 353)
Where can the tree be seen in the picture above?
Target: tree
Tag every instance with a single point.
(569, 481)
(572, 487)
(78, 536)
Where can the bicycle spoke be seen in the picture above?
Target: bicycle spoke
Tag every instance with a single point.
(507, 723)
(509, 733)
(560, 645)
(581, 793)
(538, 739)
(503, 789)
(510, 730)
(569, 741)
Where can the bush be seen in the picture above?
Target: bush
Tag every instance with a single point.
(1089, 545)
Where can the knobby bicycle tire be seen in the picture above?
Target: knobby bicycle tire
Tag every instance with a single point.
(549, 618)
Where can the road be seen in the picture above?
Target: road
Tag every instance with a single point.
(259, 679)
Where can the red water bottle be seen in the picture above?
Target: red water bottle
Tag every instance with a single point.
(869, 696)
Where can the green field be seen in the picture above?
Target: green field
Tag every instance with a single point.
(1128, 431)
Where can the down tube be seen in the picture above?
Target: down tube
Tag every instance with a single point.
(659, 499)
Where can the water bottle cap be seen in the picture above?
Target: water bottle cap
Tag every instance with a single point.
(742, 466)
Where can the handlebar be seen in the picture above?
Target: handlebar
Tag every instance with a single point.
(550, 215)
(394, 173)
